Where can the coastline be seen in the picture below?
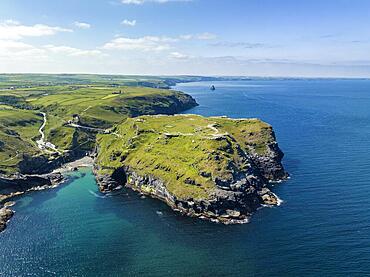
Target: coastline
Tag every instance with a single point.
(228, 192)
(56, 178)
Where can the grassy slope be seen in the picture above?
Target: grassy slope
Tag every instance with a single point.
(97, 107)
(186, 152)
(18, 133)
(26, 80)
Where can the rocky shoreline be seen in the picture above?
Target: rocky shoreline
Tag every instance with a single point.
(5, 215)
(233, 204)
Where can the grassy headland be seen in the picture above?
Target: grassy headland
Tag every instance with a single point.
(190, 154)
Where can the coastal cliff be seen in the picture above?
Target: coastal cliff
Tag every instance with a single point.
(212, 168)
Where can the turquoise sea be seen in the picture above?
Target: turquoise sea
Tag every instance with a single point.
(321, 229)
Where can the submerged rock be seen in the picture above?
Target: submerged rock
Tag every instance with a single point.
(212, 168)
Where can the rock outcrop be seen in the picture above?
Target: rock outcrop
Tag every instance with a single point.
(5, 215)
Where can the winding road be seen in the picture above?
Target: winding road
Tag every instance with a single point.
(41, 143)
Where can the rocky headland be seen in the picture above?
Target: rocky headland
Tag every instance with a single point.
(212, 168)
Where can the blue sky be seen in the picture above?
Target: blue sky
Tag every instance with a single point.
(318, 38)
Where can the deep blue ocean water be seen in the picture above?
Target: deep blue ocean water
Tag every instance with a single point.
(321, 229)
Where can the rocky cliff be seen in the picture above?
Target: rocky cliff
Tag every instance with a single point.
(212, 168)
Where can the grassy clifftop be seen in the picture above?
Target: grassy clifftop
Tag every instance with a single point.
(191, 154)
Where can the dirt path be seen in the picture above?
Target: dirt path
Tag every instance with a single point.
(42, 140)
(41, 143)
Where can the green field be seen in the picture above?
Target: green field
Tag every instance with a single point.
(31, 80)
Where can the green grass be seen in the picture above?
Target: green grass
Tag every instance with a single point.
(99, 107)
(18, 133)
(187, 152)
(47, 80)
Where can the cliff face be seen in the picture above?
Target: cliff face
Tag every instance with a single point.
(269, 163)
(213, 168)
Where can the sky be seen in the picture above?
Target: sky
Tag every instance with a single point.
(305, 38)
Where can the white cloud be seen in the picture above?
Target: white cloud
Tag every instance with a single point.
(12, 49)
(71, 51)
(82, 25)
(245, 45)
(152, 43)
(177, 55)
(140, 2)
(130, 23)
(206, 36)
(186, 37)
(12, 22)
(136, 2)
(202, 36)
(13, 30)
(147, 43)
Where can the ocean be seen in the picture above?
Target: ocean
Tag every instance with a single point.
(322, 227)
